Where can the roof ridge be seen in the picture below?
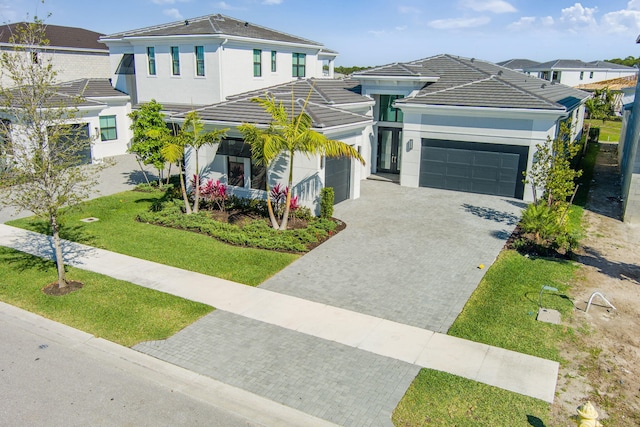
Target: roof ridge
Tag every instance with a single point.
(315, 88)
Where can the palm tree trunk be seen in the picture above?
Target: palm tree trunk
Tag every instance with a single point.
(285, 215)
(196, 191)
(187, 206)
(272, 216)
(55, 228)
(169, 173)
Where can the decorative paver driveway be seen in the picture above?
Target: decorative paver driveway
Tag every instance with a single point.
(410, 255)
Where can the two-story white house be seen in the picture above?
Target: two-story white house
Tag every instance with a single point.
(204, 60)
(75, 53)
(573, 72)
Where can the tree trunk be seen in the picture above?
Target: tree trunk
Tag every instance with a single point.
(62, 281)
(169, 174)
(196, 182)
(146, 178)
(272, 216)
(159, 178)
(187, 206)
(285, 215)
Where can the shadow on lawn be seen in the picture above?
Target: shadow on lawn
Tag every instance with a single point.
(41, 246)
(535, 421)
(615, 270)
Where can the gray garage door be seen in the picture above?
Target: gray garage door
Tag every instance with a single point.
(338, 175)
(475, 168)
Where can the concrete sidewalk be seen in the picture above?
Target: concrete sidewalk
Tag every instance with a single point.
(524, 374)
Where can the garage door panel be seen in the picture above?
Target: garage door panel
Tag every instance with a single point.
(471, 167)
(338, 176)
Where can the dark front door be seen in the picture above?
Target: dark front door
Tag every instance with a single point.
(389, 140)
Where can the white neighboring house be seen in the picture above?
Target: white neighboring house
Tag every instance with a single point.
(464, 124)
(204, 60)
(573, 72)
(74, 53)
(102, 116)
(518, 64)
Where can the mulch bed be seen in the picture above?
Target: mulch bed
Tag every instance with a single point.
(53, 289)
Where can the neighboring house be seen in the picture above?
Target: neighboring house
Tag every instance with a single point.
(518, 64)
(101, 115)
(573, 72)
(618, 87)
(464, 124)
(629, 156)
(75, 53)
(207, 59)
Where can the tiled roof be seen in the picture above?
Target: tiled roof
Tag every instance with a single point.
(612, 84)
(571, 64)
(395, 70)
(59, 36)
(89, 88)
(218, 25)
(518, 64)
(323, 106)
(468, 82)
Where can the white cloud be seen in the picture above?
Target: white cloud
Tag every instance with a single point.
(169, 1)
(578, 15)
(547, 21)
(173, 13)
(457, 23)
(622, 21)
(494, 6)
(524, 23)
(377, 33)
(409, 10)
(272, 2)
(226, 6)
(633, 5)
(401, 28)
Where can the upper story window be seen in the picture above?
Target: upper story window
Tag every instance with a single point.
(108, 130)
(298, 66)
(151, 59)
(175, 60)
(199, 60)
(387, 112)
(273, 61)
(544, 75)
(591, 75)
(555, 77)
(257, 63)
(581, 75)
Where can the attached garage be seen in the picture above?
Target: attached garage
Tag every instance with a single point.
(338, 175)
(473, 167)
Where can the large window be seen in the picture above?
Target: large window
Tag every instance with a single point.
(241, 168)
(273, 61)
(175, 60)
(108, 131)
(200, 61)
(151, 59)
(257, 63)
(387, 112)
(298, 66)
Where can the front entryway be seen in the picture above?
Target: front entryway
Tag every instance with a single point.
(389, 153)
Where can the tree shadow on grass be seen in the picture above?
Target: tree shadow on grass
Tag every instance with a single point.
(42, 248)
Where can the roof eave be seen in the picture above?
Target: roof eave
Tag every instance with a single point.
(414, 107)
(411, 79)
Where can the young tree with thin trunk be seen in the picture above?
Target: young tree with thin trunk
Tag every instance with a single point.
(290, 133)
(43, 140)
(147, 144)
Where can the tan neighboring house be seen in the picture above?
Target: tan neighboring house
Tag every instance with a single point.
(619, 87)
(75, 53)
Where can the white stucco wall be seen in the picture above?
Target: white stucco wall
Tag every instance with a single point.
(572, 77)
(101, 149)
(72, 65)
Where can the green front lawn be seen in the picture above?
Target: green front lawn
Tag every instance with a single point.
(118, 231)
(609, 129)
(105, 307)
(502, 313)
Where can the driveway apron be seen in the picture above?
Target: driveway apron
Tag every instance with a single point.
(411, 255)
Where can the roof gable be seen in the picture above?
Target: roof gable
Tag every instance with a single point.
(213, 25)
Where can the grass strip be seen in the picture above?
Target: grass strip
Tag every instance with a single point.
(117, 230)
(113, 309)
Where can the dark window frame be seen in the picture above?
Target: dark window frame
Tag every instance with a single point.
(237, 148)
(109, 132)
(298, 64)
(387, 112)
(199, 54)
(151, 60)
(274, 55)
(257, 63)
(175, 60)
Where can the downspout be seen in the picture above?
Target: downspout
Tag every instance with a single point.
(222, 97)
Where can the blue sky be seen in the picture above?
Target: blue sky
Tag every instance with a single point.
(376, 32)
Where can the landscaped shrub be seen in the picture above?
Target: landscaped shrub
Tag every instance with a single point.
(327, 197)
(548, 226)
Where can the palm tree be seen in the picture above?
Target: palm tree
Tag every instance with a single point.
(288, 134)
(173, 151)
(195, 137)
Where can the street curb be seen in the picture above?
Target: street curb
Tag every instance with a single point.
(254, 408)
